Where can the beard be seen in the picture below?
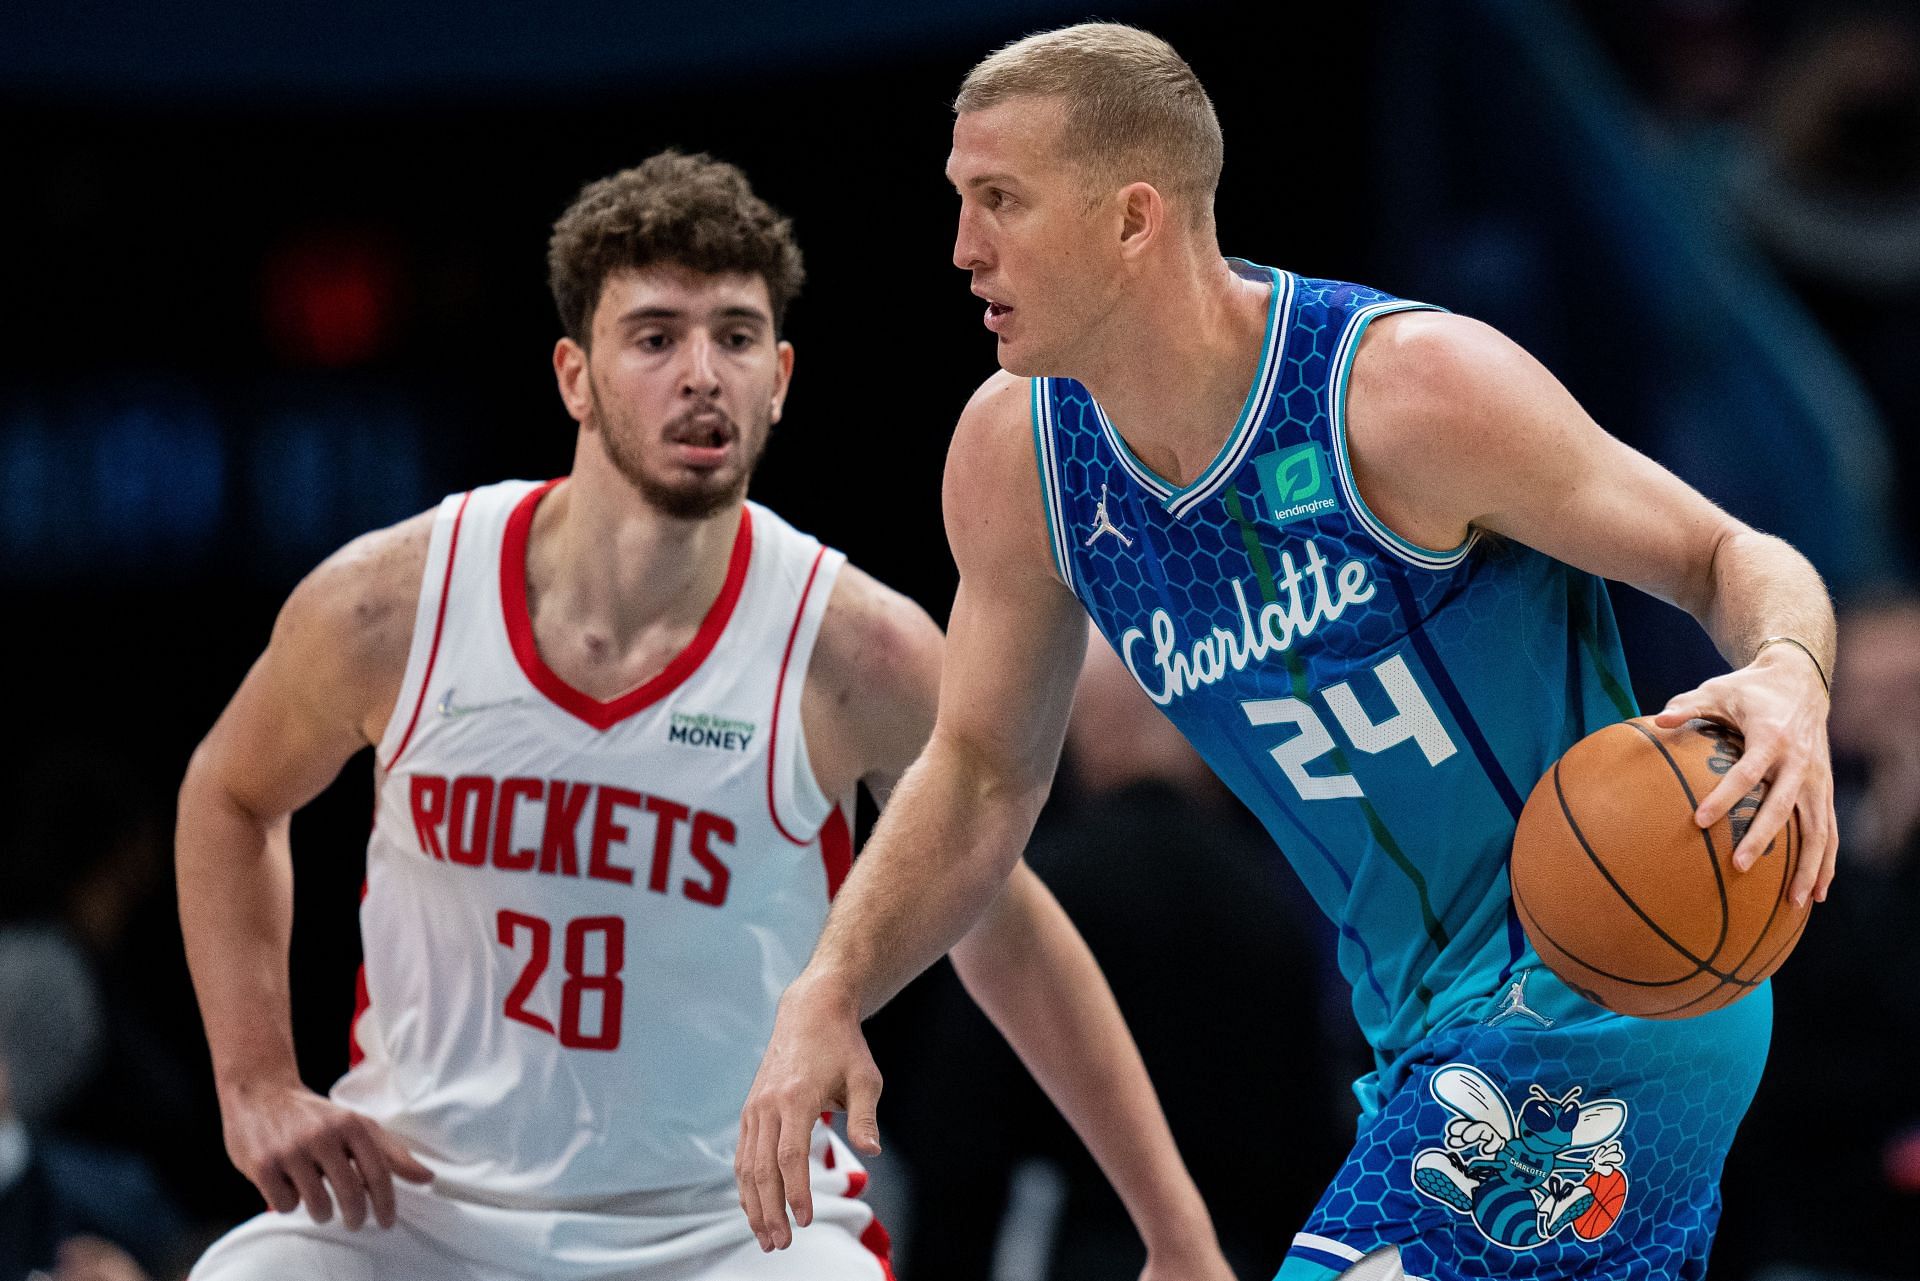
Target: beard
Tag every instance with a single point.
(693, 497)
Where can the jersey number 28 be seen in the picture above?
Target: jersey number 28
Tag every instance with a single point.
(580, 984)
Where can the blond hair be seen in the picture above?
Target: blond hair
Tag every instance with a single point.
(1135, 112)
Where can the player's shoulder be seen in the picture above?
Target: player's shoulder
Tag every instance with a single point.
(355, 609)
(996, 427)
(1431, 359)
(991, 495)
(873, 683)
(990, 465)
(875, 640)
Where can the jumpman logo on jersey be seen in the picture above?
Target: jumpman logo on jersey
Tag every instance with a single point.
(1103, 524)
(1514, 1005)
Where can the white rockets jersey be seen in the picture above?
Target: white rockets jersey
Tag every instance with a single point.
(579, 915)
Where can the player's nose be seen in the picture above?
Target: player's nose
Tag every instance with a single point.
(700, 370)
(969, 247)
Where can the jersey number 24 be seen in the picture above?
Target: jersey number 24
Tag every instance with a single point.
(1413, 718)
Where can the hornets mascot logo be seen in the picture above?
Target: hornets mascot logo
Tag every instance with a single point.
(1525, 1179)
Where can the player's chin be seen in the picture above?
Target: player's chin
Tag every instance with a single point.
(1019, 359)
(696, 493)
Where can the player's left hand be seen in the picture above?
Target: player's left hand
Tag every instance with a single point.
(1778, 704)
(816, 1061)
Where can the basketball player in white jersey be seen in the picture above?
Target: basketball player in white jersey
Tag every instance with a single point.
(619, 719)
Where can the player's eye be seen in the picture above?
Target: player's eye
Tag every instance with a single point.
(653, 341)
(739, 340)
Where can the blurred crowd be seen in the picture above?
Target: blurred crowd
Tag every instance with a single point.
(1804, 119)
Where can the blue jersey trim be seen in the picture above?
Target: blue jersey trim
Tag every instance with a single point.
(1181, 501)
(1041, 404)
(1412, 553)
(1328, 1253)
(1324, 1258)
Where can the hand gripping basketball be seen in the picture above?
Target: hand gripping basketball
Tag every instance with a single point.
(1778, 704)
(816, 1062)
(1627, 899)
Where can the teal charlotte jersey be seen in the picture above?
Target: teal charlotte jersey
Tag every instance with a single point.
(1384, 709)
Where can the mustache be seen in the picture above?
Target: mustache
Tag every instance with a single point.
(701, 420)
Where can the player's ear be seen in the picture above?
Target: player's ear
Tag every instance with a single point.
(1143, 217)
(570, 373)
(782, 376)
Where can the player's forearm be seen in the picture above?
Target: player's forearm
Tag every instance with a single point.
(1759, 587)
(940, 854)
(235, 885)
(1031, 972)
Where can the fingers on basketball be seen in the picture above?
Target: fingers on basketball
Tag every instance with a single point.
(1633, 904)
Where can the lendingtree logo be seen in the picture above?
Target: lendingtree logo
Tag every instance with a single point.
(1297, 483)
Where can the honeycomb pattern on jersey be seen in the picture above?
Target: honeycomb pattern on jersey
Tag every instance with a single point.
(1685, 1083)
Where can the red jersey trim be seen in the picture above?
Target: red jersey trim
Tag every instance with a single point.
(360, 1003)
(836, 850)
(595, 712)
(877, 1241)
(779, 697)
(433, 652)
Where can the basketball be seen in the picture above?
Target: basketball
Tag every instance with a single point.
(1609, 1195)
(1627, 899)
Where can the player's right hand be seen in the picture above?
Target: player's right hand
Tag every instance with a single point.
(294, 1145)
(817, 1061)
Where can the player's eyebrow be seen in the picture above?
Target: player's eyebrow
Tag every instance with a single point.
(640, 315)
(981, 180)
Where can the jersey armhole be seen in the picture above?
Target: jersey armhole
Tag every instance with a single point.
(429, 619)
(1412, 553)
(1048, 461)
(798, 806)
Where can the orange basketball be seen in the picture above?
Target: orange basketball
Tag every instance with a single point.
(1627, 899)
(1609, 1197)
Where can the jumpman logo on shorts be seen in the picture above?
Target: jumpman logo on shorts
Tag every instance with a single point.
(1103, 524)
(1514, 1005)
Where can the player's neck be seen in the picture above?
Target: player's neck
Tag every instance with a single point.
(1173, 371)
(610, 570)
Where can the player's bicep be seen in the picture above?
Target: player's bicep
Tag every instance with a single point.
(874, 685)
(279, 741)
(1016, 637)
(1485, 427)
(326, 681)
(1008, 683)
(1593, 502)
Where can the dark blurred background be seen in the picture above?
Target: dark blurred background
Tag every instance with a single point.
(272, 277)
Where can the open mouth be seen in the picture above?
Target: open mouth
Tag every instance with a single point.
(997, 314)
(702, 440)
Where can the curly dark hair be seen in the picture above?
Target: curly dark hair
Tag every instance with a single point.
(689, 211)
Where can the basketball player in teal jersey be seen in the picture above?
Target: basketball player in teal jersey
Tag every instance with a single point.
(1353, 547)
